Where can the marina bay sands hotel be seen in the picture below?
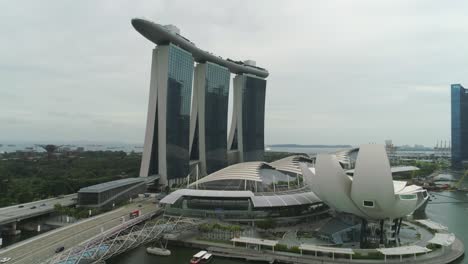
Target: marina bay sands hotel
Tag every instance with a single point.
(187, 128)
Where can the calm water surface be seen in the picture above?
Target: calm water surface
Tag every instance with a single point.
(451, 210)
(180, 255)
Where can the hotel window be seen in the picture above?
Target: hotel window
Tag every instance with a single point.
(367, 203)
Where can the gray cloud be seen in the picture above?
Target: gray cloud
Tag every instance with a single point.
(341, 71)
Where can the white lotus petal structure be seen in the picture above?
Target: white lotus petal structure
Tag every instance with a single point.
(371, 193)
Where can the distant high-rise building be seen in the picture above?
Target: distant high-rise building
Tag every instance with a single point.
(459, 105)
(187, 134)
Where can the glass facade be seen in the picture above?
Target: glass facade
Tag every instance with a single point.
(459, 105)
(179, 94)
(239, 209)
(253, 118)
(216, 112)
(106, 197)
(273, 181)
(201, 203)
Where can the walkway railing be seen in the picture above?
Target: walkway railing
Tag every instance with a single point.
(122, 239)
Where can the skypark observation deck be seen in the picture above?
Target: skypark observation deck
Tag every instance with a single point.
(160, 35)
(188, 108)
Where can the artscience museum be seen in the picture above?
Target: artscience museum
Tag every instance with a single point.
(370, 193)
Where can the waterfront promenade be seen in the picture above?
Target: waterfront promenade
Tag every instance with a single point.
(448, 255)
(438, 256)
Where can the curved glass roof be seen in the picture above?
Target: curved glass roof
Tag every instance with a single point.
(259, 177)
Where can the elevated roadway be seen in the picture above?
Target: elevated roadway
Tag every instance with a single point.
(40, 248)
(20, 212)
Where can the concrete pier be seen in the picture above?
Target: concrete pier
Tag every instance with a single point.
(446, 256)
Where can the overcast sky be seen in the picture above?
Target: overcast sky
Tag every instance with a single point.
(341, 72)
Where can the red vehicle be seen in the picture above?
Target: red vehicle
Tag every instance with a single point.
(134, 214)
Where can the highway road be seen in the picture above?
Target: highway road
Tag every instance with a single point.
(23, 211)
(40, 248)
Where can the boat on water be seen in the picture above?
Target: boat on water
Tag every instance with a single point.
(197, 258)
(158, 251)
(207, 258)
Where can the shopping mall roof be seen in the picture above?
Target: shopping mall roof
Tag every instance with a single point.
(272, 200)
(291, 163)
(249, 171)
(110, 185)
(276, 200)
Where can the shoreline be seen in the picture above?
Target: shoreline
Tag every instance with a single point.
(441, 256)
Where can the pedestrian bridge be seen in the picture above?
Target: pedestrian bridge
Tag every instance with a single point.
(123, 238)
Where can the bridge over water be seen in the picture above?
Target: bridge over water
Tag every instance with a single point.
(123, 238)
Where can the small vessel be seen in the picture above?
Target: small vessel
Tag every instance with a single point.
(158, 251)
(207, 258)
(197, 258)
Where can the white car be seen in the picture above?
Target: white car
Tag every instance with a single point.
(4, 260)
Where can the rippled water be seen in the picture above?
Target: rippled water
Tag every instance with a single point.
(451, 210)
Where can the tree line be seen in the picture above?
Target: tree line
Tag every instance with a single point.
(26, 180)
